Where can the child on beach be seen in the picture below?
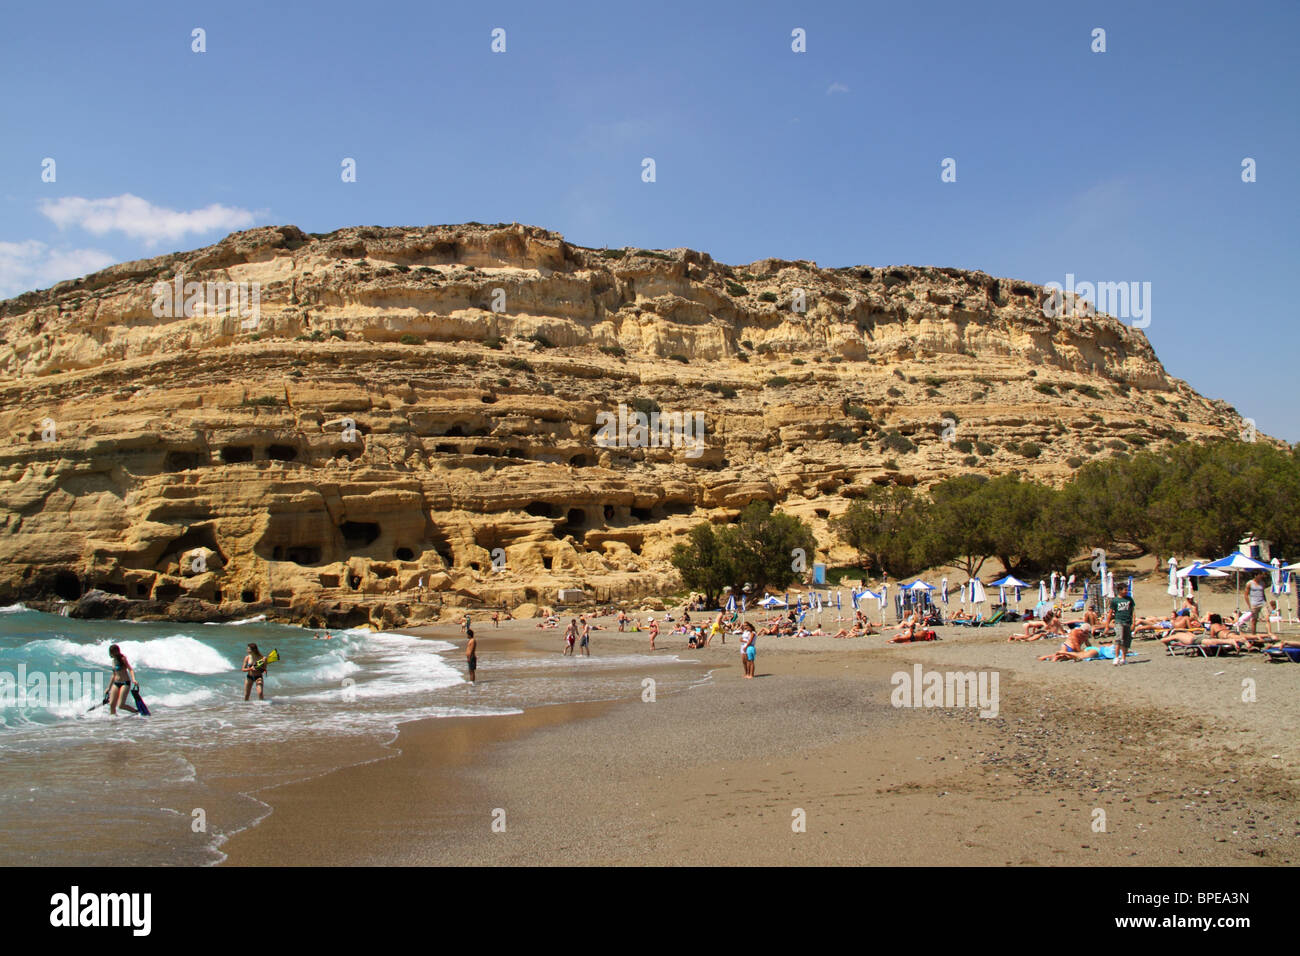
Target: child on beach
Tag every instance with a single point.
(748, 649)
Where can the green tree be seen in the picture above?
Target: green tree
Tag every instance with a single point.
(702, 563)
(761, 547)
(883, 527)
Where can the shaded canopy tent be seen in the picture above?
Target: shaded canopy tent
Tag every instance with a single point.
(916, 594)
(1239, 562)
(1009, 582)
(772, 601)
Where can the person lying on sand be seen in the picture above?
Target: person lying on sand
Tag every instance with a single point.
(962, 616)
(857, 630)
(1106, 653)
(1050, 626)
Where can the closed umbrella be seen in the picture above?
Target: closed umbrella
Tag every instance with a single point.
(1175, 586)
(943, 590)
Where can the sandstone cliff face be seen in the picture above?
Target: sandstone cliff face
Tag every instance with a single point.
(423, 404)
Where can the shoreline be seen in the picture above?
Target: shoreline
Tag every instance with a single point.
(712, 775)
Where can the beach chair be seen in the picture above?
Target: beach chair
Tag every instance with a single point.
(977, 621)
(995, 619)
(1280, 655)
(1188, 649)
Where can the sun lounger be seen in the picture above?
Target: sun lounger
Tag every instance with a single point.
(993, 620)
(1188, 649)
(1280, 655)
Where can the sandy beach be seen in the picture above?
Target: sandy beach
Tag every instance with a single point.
(1180, 761)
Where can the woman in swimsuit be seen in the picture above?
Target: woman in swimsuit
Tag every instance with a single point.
(123, 682)
(253, 674)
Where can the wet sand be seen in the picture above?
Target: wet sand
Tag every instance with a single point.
(1159, 762)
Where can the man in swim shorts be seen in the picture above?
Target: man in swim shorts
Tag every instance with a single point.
(471, 653)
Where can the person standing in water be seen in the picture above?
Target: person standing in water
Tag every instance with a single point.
(123, 682)
(471, 653)
(254, 668)
(570, 636)
(585, 632)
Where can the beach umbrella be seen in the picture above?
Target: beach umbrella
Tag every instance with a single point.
(1175, 587)
(1239, 562)
(943, 590)
(1042, 592)
(839, 596)
(1291, 567)
(731, 603)
(787, 598)
(1277, 575)
(1009, 581)
(772, 601)
(1130, 584)
(1069, 585)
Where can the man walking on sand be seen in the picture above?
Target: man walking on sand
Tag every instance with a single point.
(1256, 595)
(471, 653)
(1121, 612)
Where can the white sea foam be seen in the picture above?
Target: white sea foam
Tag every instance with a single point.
(176, 652)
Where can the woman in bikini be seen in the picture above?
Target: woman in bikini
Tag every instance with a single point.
(123, 681)
(254, 672)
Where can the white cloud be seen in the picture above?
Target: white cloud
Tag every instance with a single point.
(31, 265)
(141, 219)
(836, 88)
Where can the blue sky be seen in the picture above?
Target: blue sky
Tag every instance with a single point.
(1115, 166)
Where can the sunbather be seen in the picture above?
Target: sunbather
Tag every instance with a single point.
(1049, 626)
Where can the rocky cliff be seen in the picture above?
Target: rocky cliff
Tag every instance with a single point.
(406, 404)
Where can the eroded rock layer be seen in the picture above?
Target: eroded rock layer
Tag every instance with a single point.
(422, 404)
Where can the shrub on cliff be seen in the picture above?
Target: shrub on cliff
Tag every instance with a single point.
(777, 381)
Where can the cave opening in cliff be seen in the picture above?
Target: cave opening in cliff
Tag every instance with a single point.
(642, 514)
(580, 461)
(382, 571)
(485, 450)
(67, 585)
(199, 536)
(305, 554)
(216, 595)
(183, 460)
(248, 595)
(455, 431)
(281, 452)
(352, 452)
(354, 581)
(359, 534)
(547, 562)
(609, 512)
(540, 509)
(404, 554)
(166, 592)
(446, 449)
(575, 523)
(236, 454)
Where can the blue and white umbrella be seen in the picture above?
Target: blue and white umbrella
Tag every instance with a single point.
(1239, 562)
(731, 603)
(943, 590)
